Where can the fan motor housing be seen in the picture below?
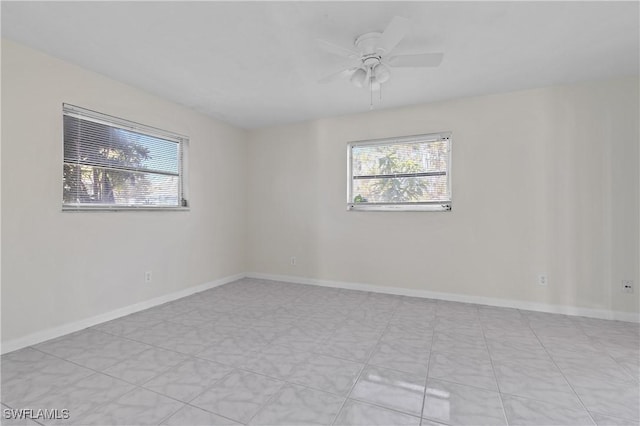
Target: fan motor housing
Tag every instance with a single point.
(368, 43)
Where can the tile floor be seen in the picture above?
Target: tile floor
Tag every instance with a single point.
(269, 353)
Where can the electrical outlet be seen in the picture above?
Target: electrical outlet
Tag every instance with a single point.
(627, 286)
(542, 280)
(147, 277)
(293, 261)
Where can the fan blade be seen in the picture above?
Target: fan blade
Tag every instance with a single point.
(424, 60)
(336, 75)
(337, 50)
(395, 31)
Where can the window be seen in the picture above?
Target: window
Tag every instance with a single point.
(407, 173)
(111, 163)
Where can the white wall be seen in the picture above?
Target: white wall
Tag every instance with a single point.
(544, 181)
(58, 268)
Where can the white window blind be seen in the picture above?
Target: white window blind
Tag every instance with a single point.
(407, 173)
(112, 163)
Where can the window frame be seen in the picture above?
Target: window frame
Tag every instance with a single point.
(408, 206)
(128, 125)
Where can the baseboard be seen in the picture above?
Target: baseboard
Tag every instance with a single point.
(453, 297)
(52, 333)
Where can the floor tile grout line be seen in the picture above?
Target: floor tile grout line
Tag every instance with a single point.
(563, 375)
(94, 371)
(364, 367)
(454, 382)
(105, 373)
(207, 388)
(490, 390)
(173, 367)
(613, 417)
(376, 404)
(165, 418)
(495, 376)
(152, 346)
(188, 404)
(633, 378)
(170, 397)
(268, 400)
(513, 395)
(135, 386)
(502, 393)
(190, 354)
(426, 380)
(83, 415)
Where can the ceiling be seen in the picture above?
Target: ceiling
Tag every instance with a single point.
(256, 64)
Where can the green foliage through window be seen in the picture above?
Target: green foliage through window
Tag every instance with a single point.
(414, 171)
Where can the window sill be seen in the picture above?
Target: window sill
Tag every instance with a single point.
(102, 209)
(400, 207)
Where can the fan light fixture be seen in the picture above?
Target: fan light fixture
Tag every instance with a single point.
(371, 74)
(381, 73)
(359, 78)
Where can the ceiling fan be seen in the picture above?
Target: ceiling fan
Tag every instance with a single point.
(371, 56)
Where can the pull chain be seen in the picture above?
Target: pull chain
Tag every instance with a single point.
(370, 90)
